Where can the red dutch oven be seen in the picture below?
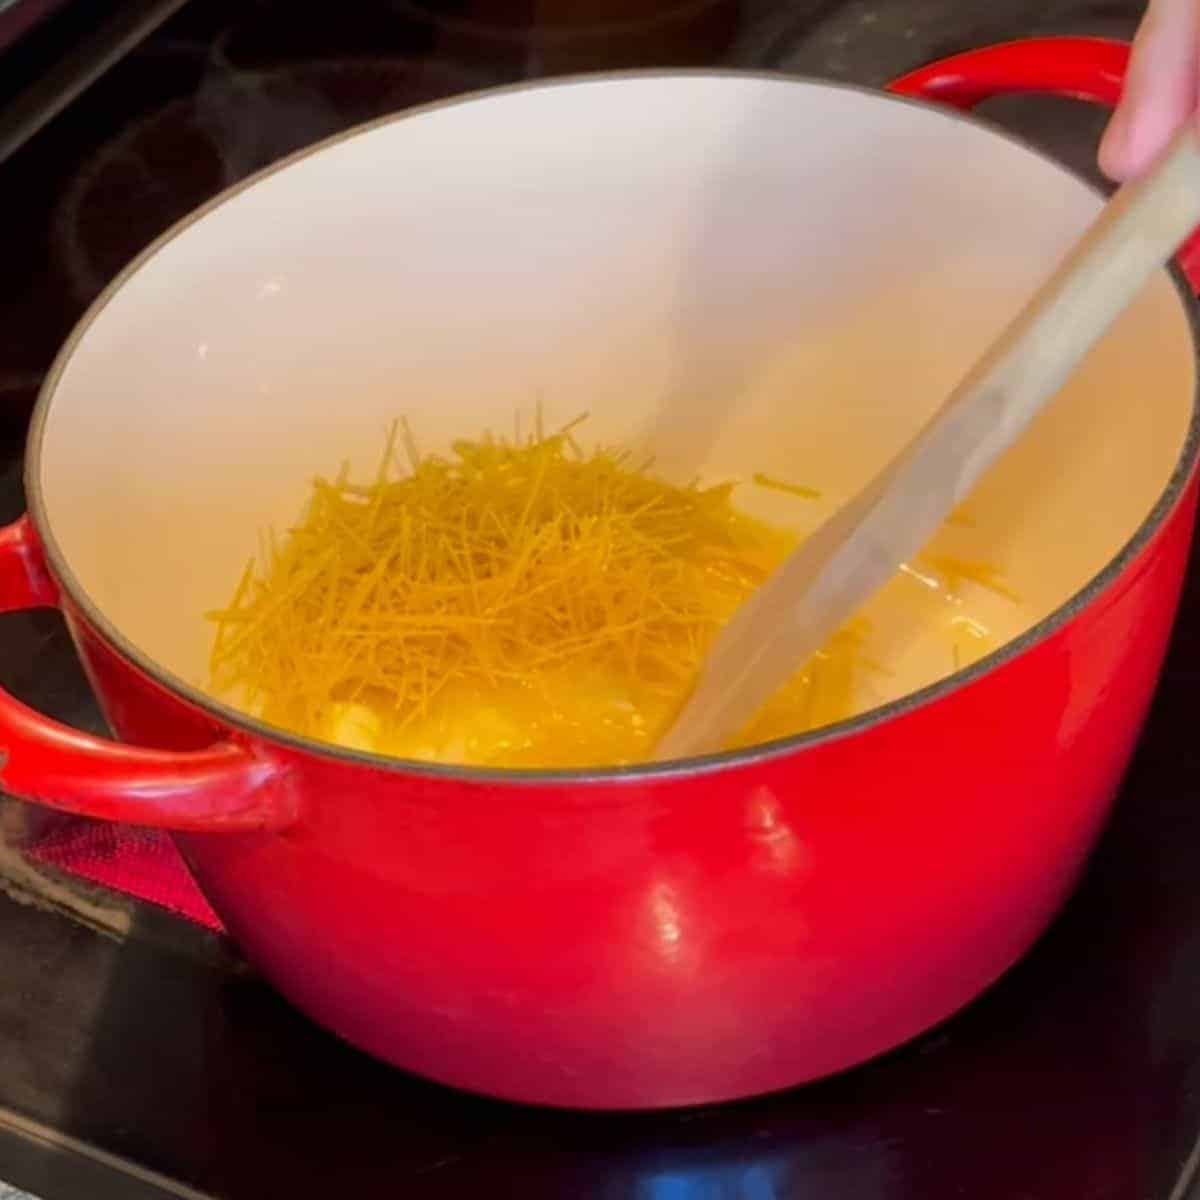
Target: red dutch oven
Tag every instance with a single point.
(829, 256)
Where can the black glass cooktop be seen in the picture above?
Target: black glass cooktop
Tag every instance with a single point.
(140, 1058)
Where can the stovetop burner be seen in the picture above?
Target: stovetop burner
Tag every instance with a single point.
(138, 1057)
(163, 165)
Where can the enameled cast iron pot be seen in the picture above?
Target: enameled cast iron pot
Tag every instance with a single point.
(666, 935)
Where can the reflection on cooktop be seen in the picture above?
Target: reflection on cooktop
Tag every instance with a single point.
(161, 166)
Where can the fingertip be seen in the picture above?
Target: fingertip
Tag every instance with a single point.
(1113, 155)
(1139, 132)
(1160, 89)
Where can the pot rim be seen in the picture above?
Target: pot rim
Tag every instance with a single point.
(687, 768)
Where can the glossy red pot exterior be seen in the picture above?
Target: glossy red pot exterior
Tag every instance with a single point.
(714, 931)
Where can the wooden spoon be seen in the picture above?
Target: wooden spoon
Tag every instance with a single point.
(849, 558)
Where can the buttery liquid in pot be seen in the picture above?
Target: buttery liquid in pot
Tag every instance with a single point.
(529, 602)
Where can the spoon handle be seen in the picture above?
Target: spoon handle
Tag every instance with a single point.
(852, 555)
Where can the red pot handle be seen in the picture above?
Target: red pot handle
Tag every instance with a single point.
(224, 788)
(1080, 68)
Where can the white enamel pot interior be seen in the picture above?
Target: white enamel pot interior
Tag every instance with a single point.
(752, 273)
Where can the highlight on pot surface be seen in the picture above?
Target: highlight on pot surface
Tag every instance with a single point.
(533, 601)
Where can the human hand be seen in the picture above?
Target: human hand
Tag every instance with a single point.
(1162, 88)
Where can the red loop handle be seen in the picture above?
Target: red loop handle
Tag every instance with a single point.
(1079, 68)
(1076, 67)
(225, 788)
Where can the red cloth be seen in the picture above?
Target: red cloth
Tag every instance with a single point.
(142, 863)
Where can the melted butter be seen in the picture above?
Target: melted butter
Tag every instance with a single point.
(497, 703)
(914, 633)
